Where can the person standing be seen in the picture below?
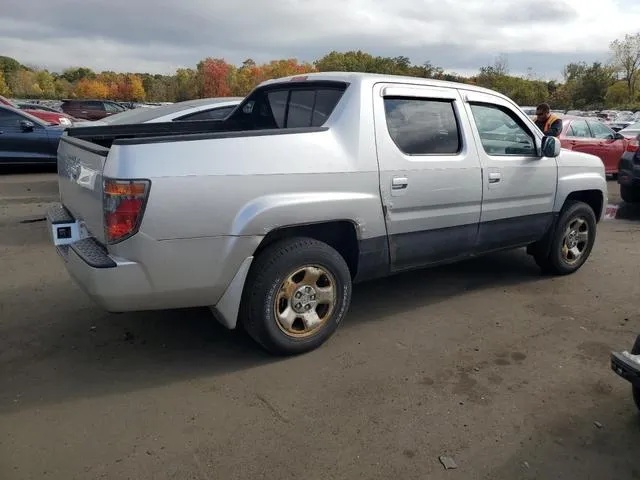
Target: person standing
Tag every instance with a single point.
(546, 121)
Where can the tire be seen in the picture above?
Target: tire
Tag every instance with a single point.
(301, 270)
(559, 261)
(630, 194)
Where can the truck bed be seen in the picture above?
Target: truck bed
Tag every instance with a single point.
(106, 135)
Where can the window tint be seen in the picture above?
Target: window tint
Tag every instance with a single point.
(301, 108)
(326, 101)
(422, 126)
(284, 106)
(600, 130)
(580, 129)
(212, 114)
(501, 131)
(278, 104)
(9, 119)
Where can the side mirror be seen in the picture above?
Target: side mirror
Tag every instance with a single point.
(550, 147)
(26, 126)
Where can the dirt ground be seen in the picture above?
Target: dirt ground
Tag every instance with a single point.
(487, 362)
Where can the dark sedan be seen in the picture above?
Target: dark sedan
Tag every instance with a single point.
(25, 139)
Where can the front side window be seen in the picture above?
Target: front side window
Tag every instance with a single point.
(501, 132)
(601, 131)
(423, 126)
(9, 119)
(579, 128)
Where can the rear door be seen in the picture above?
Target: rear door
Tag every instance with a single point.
(608, 147)
(519, 185)
(430, 176)
(579, 138)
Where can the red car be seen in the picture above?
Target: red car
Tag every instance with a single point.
(590, 135)
(56, 118)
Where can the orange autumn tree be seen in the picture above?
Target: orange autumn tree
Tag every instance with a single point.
(90, 88)
(215, 77)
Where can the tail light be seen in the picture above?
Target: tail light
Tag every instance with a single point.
(123, 203)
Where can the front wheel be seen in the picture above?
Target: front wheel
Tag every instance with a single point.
(297, 294)
(572, 240)
(630, 194)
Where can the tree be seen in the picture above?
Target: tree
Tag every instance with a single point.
(88, 88)
(4, 88)
(76, 74)
(46, 83)
(214, 77)
(626, 60)
(185, 84)
(23, 84)
(617, 94)
(9, 65)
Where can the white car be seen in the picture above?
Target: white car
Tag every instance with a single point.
(631, 131)
(190, 110)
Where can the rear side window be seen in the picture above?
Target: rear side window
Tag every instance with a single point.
(423, 126)
(579, 128)
(284, 106)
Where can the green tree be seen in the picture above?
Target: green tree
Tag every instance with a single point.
(46, 83)
(617, 94)
(625, 55)
(4, 88)
(74, 75)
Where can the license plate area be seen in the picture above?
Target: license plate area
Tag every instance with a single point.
(67, 233)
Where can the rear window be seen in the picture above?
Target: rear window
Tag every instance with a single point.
(290, 106)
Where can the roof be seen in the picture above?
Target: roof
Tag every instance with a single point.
(360, 77)
(141, 115)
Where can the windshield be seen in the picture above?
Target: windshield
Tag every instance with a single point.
(624, 117)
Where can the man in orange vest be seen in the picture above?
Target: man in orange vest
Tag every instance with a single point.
(546, 121)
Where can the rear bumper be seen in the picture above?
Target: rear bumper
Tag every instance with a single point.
(144, 274)
(114, 284)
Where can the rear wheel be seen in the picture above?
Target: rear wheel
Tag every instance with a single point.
(630, 194)
(297, 294)
(571, 242)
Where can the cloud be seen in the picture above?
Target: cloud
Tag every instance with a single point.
(160, 35)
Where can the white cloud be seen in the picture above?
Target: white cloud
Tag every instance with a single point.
(158, 36)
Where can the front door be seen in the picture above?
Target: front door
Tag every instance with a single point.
(609, 148)
(578, 138)
(519, 185)
(430, 176)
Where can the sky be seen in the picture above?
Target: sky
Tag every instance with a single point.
(158, 36)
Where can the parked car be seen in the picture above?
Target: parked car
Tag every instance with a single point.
(632, 131)
(191, 110)
(91, 109)
(25, 139)
(629, 172)
(589, 135)
(627, 365)
(55, 118)
(623, 120)
(312, 183)
(36, 106)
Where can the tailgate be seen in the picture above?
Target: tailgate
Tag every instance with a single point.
(80, 166)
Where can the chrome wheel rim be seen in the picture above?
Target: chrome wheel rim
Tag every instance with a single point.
(575, 240)
(305, 301)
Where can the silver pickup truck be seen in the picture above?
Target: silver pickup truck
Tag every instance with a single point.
(313, 183)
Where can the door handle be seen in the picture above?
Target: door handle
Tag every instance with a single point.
(494, 177)
(399, 183)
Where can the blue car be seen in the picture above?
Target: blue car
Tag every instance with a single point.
(25, 139)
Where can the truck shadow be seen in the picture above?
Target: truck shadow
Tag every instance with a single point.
(628, 211)
(64, 347)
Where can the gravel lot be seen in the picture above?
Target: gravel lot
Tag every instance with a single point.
(487, 362)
